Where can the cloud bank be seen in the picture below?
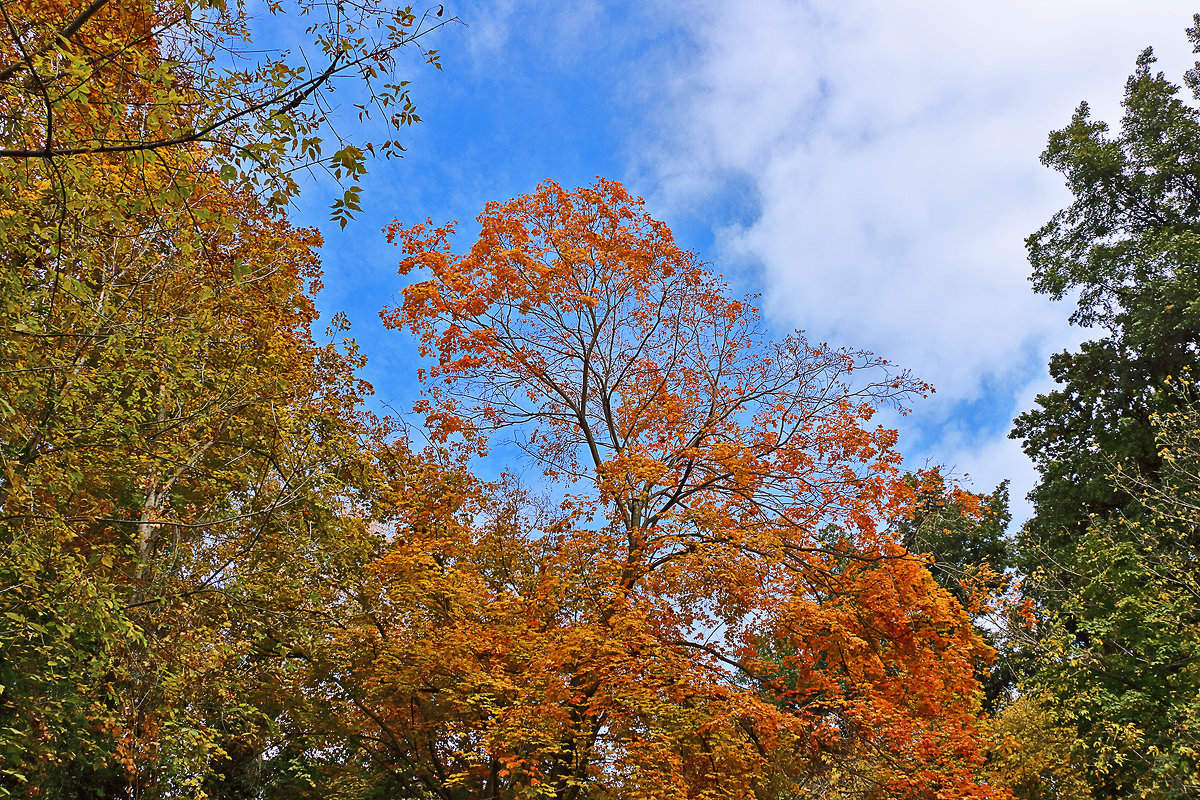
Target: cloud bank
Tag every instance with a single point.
(889, 155)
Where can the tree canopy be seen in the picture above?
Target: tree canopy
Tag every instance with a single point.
(1112, 571)
(183, 461)
(700, 569)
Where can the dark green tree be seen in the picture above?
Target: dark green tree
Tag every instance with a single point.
(961, 531)
(1128, 248)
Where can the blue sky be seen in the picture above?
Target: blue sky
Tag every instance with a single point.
(871, 168)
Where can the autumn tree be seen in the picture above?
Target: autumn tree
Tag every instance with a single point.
(1117, 655)
(182, 464)
(714, 487)
(1033, 750)
(176, 454)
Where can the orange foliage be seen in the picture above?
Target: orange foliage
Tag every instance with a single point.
(712, 608)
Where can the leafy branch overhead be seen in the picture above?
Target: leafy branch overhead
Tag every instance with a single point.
(183, 465)
(132, 79)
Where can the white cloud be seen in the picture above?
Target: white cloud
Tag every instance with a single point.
(892, 150)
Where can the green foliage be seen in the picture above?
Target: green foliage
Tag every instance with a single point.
(1112, 573)
(60, 623)
(1121, 651)
(960, 531)
(1130, 246)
